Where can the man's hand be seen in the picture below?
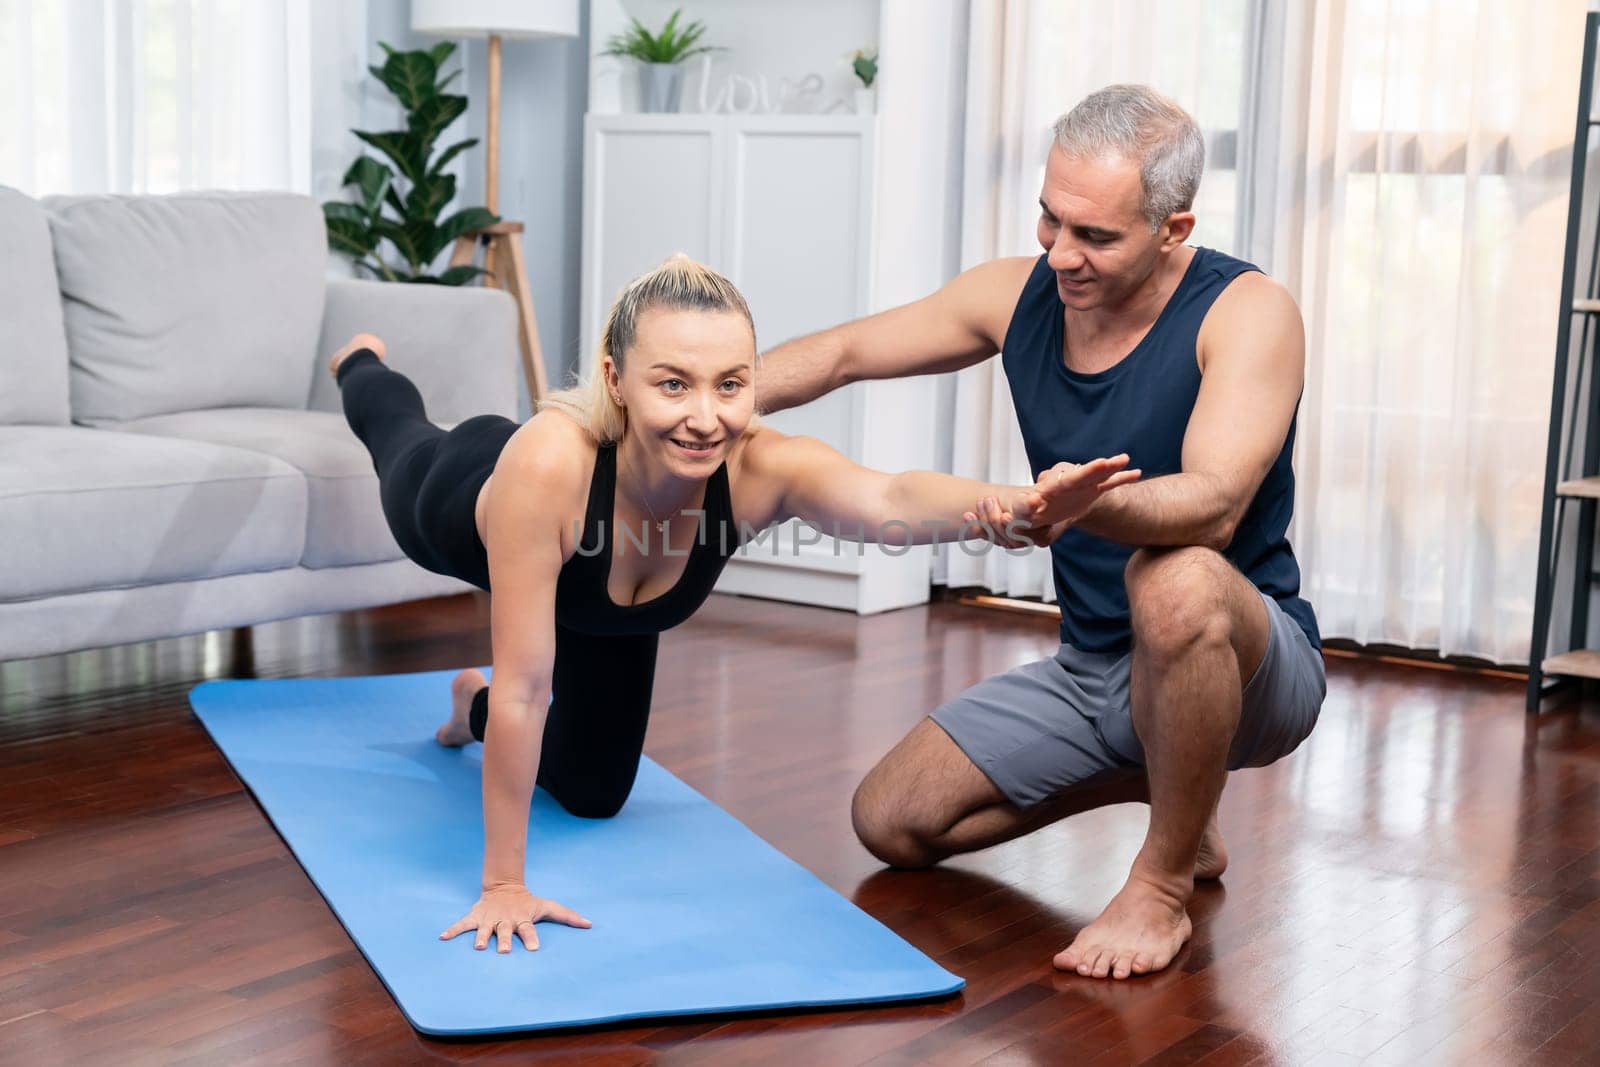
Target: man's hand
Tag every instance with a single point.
(509, 911)
(1070, 489)
(1040, 513)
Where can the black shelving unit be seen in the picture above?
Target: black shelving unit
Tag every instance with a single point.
(1563, 482)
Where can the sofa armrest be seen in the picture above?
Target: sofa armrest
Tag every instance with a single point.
(458, 345)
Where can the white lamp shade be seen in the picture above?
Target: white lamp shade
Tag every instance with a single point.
(508, 18)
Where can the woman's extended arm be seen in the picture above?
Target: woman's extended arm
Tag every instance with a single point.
(846, 500)
(524, 563)
(524, 542)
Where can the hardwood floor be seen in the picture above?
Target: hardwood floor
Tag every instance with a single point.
(1420, 882)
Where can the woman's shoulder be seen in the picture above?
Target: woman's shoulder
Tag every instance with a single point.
(549, 455)
(764, 466)
(767, 451)
(769, 454)
(754, 480)
(757, 450)
(551, 437)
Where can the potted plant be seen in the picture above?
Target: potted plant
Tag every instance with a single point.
(865, 65)
(415, 188)
(660, 57)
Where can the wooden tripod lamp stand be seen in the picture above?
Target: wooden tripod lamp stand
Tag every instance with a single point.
(502, 242)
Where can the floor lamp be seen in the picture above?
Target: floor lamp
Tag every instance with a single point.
(498, 19)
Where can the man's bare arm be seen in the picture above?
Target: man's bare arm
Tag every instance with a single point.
(961, 324)
(1253, 351)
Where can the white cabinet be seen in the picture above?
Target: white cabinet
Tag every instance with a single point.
(783, 205)
(652, 186)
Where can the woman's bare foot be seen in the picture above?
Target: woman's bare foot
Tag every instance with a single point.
(355, 344)
(1212, 859)
(457, 731)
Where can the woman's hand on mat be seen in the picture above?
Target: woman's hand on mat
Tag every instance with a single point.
(509, 911)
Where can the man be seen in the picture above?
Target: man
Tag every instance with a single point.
(1186, 650)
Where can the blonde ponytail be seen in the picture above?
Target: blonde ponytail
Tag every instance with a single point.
(679, 283)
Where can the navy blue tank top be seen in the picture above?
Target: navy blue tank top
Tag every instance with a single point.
(1140, 406)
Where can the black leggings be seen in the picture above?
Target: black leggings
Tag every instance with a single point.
(428, 482)
(594, 733)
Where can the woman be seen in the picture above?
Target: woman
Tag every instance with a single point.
(605, 519)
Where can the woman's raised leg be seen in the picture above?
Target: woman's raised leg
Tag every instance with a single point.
(386, 413)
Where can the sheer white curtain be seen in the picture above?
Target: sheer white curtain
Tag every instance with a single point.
(1029, 61)
(153, 96)
(1416, 204)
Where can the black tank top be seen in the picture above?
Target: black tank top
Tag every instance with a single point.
(1140, 406)
(583, 602)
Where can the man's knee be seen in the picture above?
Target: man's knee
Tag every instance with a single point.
(878, 817)
(1178, 598)
(879, 812)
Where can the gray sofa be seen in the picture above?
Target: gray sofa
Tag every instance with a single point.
(172, 456)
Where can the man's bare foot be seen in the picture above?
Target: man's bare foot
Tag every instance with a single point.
(1213, 857)
(457, 731)
(1140, 931)
(355, 344)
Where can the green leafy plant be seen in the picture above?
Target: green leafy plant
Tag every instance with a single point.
(412, 186)
(865, 64)
(671, 45)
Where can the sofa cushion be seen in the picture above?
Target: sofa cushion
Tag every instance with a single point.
(346, 523)
(95, 509)
(457, 344)
(33, 346)
(198, 300)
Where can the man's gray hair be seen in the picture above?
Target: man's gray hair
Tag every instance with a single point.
(1139, 124)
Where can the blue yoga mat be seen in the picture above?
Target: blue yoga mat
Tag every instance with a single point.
(692, 912)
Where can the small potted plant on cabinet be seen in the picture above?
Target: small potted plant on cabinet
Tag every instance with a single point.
(660, 57)
(865, 65)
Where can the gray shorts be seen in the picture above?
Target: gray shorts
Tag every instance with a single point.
(1050, 725)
